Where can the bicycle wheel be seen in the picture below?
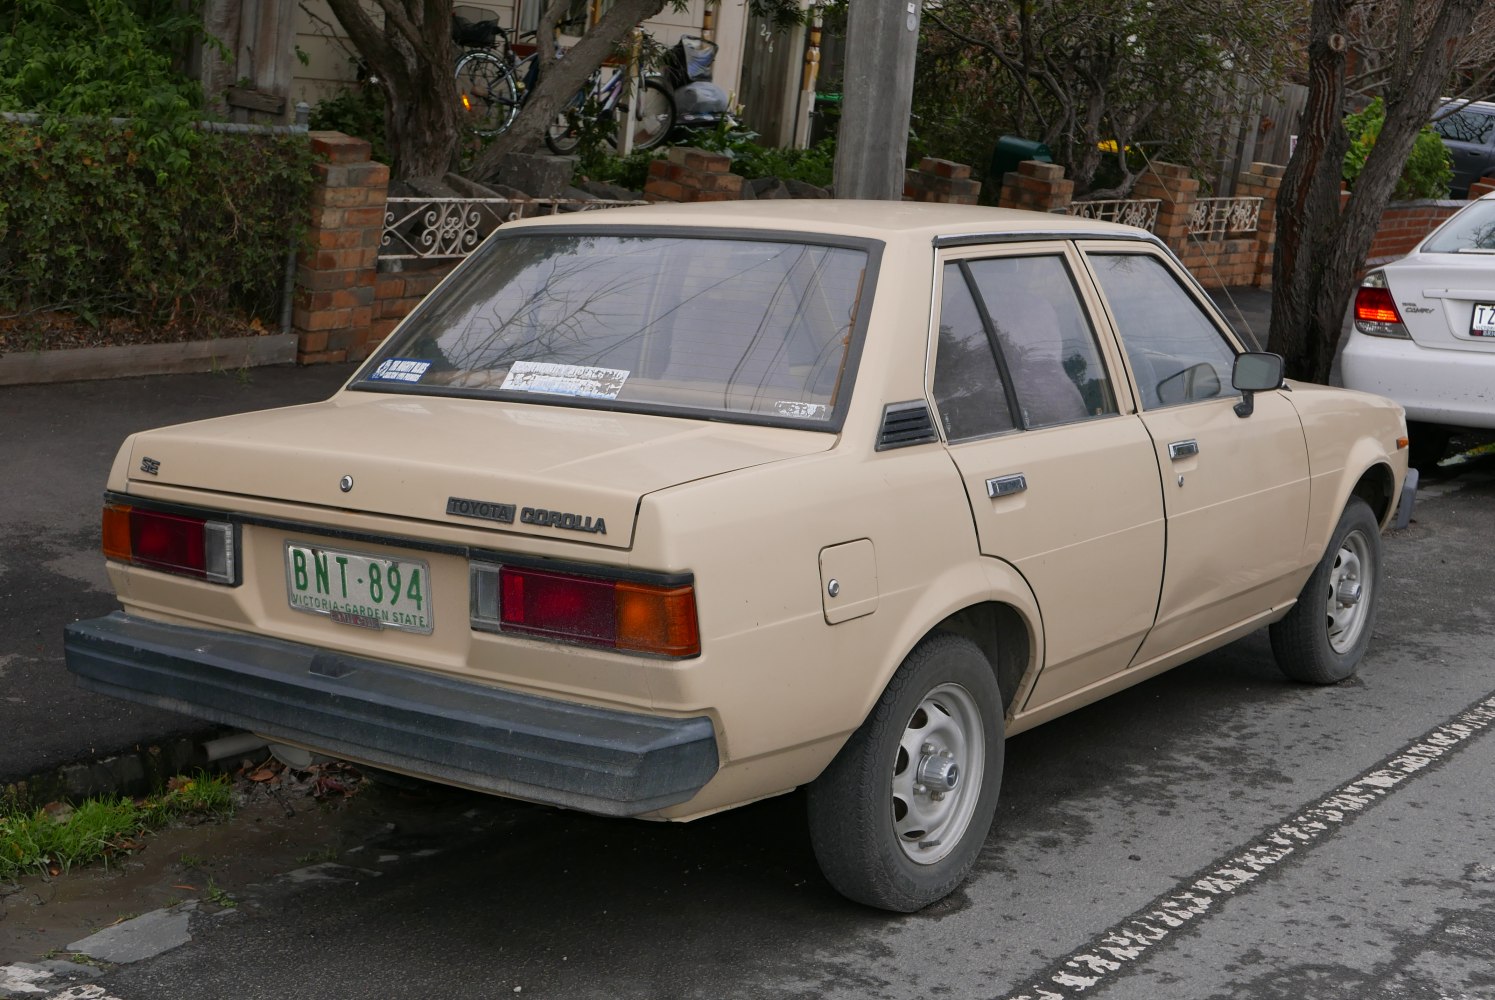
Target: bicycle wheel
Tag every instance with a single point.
(654, 117)
(489, 98)
(564, 133)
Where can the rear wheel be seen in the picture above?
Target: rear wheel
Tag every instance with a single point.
(654, 117)
(1323, 638)
(898, 818)
(488, 96)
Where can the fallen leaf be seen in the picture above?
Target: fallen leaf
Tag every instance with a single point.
(263, 774)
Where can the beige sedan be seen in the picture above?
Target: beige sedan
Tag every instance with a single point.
(655, 512)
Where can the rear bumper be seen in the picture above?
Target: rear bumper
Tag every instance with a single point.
(1451, 387)
(596, 760)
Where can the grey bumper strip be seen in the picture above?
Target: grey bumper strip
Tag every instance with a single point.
(597, 760)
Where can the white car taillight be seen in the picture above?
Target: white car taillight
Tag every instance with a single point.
(1375, 309)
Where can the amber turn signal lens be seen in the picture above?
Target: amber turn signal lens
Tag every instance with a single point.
(117, 532)
(658, 619)
(1402, 443)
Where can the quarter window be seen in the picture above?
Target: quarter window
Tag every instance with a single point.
(1177, 354)
(968, 386)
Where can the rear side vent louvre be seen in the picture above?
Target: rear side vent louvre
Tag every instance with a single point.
(904, 424)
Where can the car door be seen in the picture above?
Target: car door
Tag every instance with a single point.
(1061, 478)
(1235, 489)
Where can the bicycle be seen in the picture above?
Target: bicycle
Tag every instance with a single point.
(651, 111)
(486, 86)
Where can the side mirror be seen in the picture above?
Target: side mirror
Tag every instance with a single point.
(1255, 372)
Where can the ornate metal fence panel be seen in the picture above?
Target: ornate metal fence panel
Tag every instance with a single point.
(1219, 218)
(451, 228)
(1140, 212)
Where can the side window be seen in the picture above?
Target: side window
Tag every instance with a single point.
(967, 383)
(1177, 353)
(1046, 341)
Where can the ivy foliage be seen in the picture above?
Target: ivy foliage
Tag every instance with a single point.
(116, 207)
(87, 226)
(105, 58)
(1429, 169)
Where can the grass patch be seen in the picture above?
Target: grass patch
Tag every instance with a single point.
(58, 837)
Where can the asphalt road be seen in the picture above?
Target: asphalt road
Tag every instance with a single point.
(1214, 833)
(59, 441)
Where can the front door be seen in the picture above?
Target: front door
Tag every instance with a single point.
(1235, 489)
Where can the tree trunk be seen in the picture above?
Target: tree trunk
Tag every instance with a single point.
(1319, 248)
(411, 57)
(559, 79)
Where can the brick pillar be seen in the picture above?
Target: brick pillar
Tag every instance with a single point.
(335, 276)
(1177, 191)
(1262, 180)
(1037, 186)
(941, 180)
(690, 174)
(1482, 187)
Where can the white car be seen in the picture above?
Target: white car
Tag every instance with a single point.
(1424, 331)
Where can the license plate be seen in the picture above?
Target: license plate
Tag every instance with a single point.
(1483, 324)
(356, 589)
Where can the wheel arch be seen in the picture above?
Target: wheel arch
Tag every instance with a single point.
(1002, 635)
(1377, 487)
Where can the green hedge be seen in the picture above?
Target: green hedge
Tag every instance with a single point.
(91, 225)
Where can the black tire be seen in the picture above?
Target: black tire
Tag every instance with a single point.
(655, 117)
(488, 96)
(866, 814)
(564, 134)
(1323, 638)
(1427, 444)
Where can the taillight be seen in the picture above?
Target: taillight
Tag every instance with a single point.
(616, 614)
(1375, 309)
(173, 543)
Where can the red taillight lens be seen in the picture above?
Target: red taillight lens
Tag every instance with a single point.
(637, 617)
(556, 606)
(173, 543)
(1375, 305)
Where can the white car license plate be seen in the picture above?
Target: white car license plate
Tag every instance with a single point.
(355, 589)
(1483, 324)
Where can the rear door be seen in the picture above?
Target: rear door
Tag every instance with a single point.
(1059, 473)
(1235, 489)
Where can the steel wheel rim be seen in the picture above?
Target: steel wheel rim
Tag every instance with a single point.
(1350, 584)
(944, 731)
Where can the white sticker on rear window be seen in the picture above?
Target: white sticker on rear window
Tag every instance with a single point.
(809, 411)
(400, 370)
(565, 380)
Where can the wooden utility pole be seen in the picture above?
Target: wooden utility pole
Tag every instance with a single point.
(882, 37)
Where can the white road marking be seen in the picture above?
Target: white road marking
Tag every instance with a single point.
(1110, 953)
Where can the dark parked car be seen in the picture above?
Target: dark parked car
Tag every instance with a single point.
(1468, 131)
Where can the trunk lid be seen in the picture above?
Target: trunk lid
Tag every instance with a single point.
(545, 471)
(1437, 295)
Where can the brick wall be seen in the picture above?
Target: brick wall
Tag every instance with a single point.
(1037, 187)
(333, 310)
(942, 181)
(689, 174)
(1405, 223)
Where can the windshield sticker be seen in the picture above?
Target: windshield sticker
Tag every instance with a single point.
(400, 370)
(810, 411)
(565, 380)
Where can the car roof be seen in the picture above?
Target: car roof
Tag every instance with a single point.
(848, 217)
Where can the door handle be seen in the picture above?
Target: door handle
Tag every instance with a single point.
(1183, 449)
(1005, 486)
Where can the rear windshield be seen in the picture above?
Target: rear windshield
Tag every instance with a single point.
(754, 328)
(1472, 230)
